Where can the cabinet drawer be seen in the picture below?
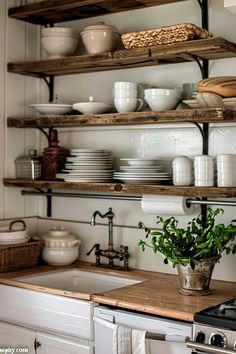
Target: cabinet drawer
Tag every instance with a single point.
(46, 311)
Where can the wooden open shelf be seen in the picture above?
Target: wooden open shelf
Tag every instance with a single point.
(120, 188)
(51, 11)
(209, 115)
(210, 48)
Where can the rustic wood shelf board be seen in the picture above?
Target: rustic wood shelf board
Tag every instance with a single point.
(211, 48)
(52, 11)
(133, 118)
(119, 188)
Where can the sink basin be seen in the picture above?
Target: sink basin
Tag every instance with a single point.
(79, 280)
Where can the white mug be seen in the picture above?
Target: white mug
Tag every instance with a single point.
(125, 85)
(128, 104)
(124, 92)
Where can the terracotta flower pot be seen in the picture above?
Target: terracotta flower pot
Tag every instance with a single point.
(196, 281)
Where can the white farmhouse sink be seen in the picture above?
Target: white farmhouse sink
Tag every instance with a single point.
(79, 280)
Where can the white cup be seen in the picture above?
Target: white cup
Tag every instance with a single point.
(204, 170)
(120, 92)
(182, 178)
(226, 180)
(203, 183)
(125, 85)
(182, 171)
(128, 104)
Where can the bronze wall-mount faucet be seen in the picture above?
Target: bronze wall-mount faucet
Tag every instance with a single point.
(110, 252)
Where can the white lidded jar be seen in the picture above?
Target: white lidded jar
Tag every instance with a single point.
(58, 237)
(182, 171)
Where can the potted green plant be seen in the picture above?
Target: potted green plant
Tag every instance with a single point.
(193, 250)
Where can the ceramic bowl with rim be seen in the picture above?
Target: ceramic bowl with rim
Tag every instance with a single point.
(52, 108)
(92, 107)
(60, 256)
(139, 162)
(100, 38)
(162, 99)
(59, 32)
(59, 46)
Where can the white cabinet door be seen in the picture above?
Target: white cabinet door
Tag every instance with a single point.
(54, 345)
(14, 337)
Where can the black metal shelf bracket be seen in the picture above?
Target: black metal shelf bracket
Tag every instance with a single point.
(49, 80)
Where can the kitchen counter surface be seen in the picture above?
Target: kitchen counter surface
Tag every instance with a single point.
(157, 293)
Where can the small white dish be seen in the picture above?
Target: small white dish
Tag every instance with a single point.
(52, 108)
(139, 162)
(92, 107)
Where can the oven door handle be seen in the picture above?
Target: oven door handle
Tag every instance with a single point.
(206, 348)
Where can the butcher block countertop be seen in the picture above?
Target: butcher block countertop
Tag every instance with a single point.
(157, 294)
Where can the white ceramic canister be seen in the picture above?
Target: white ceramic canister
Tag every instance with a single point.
(182, 171)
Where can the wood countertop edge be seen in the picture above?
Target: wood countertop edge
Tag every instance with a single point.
(151, 310)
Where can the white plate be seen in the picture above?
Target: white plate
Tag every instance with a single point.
(86, 164)
(52, 108)
(72, 167)
(144, 181)
(229, 102)
(88, 151)
(7, 242)
(140, 175)
(82, 180)
(139, 162)
(89, 172)
(141, 169)
(88, 158)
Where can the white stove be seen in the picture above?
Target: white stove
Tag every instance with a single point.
(214, 329)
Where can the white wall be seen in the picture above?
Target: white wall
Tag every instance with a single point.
(162, 143)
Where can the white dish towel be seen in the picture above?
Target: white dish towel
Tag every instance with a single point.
(126, 340)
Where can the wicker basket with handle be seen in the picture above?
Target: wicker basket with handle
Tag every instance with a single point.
(164, 35)
(20, 256)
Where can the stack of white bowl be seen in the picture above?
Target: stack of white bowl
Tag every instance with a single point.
(59, 42)
(182, 171)
(160, 99)
(226, 170)
(126, 97)
(60, 247)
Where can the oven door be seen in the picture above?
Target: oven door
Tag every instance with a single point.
(207, 348)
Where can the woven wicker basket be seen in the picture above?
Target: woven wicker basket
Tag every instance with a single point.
(19, 256)
(164, 35)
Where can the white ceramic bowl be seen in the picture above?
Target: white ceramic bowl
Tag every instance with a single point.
(60, 256)
(58, 46)
(92, 107)
(162, 99)
(59, 32)
(100, 38)
(52, 108)
(139, 162)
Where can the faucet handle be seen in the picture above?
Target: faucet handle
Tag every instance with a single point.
(96, 247)
(124, 256)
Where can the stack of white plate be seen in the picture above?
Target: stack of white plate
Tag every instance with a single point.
(87, 165)
(12, 237)
(144, 171)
